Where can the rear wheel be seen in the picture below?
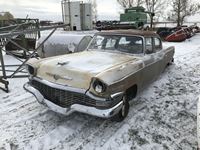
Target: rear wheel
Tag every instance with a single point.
(123, 112)
(171, 62)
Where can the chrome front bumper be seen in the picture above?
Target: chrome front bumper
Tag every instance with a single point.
(103, 113)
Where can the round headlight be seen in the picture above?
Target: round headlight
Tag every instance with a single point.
(99, 87)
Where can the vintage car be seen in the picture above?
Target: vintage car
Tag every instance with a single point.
(177, 34)
(103, 79)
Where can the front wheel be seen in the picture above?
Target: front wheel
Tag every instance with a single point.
(123, 112)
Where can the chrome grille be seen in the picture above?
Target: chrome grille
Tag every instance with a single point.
(61, 97)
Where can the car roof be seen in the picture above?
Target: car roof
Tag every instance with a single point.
(128, 32)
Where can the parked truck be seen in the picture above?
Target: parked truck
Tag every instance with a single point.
(132, 18)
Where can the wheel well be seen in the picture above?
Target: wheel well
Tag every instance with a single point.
(131, 92)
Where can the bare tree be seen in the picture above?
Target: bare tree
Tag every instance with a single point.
(183, 8)
(130, 3)
(156, 7)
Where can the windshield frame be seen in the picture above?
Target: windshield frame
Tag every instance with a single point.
(114, 51)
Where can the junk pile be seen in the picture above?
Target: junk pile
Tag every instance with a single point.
(18, 43)
(177, 34)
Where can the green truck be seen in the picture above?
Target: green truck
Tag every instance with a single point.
(132, 18)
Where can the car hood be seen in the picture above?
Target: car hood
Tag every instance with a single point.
(77, 69)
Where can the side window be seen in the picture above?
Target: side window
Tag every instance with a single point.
(131, 44)
(98, 42)
(157, 44)
(110, 44)
(148, 45)
(123, 41)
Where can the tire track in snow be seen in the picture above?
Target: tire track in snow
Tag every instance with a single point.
(5, 96)
(31, 127)
(21, 104)
(9, 101)
(66, 130)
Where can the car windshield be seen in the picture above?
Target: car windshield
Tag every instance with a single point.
(122, 43)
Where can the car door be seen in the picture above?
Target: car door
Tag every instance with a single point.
(151, 69)
(159, 55)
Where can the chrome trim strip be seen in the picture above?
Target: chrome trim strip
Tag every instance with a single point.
(117, 94)
(59, 86)
(35, 92)
(104, 113)
(95, 97)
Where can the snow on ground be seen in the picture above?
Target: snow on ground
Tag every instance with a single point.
(162, 117)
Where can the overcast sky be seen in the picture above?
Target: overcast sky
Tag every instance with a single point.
(51, 9)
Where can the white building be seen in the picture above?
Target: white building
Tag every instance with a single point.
(77, 14)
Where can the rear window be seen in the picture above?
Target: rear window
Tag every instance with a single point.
(157, 44)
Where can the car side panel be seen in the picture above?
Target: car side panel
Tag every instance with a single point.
(165, 56)
(150, 70)
(127, 82)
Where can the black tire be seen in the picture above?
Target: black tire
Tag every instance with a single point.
(171, 62)
(121, 115)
